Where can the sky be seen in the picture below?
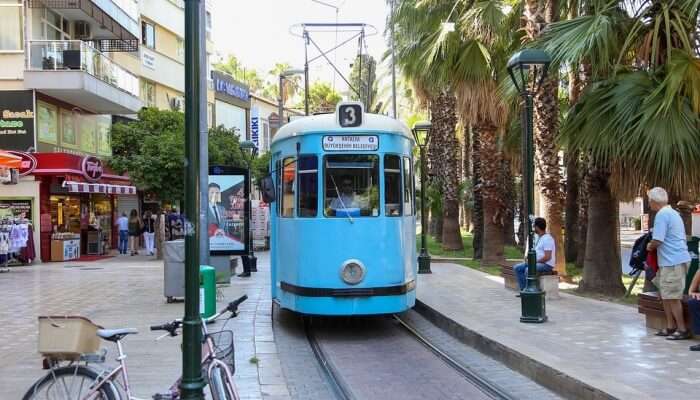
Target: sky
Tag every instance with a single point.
(257, 33)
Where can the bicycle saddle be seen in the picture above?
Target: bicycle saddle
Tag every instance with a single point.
(114, 335)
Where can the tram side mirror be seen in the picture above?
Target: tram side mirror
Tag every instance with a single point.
(267, 187)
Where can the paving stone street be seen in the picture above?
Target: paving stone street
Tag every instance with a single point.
(128, 292)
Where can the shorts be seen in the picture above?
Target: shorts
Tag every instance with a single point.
(671, 281)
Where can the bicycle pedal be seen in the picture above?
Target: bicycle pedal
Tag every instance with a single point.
(161, 396)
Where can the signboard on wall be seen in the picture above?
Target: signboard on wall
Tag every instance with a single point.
(228, 224)
(16, 208)
(255, 126)
(17, 120)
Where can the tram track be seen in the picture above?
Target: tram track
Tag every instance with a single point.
(340, 366)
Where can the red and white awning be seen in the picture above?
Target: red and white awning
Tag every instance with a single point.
(83, 187)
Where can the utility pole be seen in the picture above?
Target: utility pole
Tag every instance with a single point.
(393, 65)
(192, 382)
(306, 72)
(203, 139)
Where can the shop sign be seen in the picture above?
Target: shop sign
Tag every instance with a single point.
(350, 143)
(17, 120)
(92, 168)
(16, 209)
(149, 61)
(255, 126)
(28, 164)
(226, 85)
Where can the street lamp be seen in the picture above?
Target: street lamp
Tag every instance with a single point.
(250, 150)
(280, 103)
(528, 69)
(421, 132)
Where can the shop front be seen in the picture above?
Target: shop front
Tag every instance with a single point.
(78, 205)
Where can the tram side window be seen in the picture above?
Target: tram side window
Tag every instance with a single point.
(408, 187)
(392, 185)
(308, 186)
(351, 187)
(288, 186)
(278, 186)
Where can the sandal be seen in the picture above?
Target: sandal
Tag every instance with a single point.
(666, 332)
(679, 335)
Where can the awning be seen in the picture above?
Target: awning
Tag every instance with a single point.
(8, 160)
(83, 187)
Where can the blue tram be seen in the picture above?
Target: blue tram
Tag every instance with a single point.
(343, 220)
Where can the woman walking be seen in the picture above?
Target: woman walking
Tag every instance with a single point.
(149, 232)
(134, 232)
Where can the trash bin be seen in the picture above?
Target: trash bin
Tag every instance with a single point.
(174, 269)
(207, 291)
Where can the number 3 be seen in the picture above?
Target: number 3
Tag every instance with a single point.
(350, 117)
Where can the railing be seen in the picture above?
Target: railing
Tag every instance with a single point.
(67, 55)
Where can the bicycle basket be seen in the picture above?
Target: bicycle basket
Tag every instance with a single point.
(67, 337)
(223, 348)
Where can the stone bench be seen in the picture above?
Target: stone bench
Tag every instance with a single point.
(650, 305)
(549, 281)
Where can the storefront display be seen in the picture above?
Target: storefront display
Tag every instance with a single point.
(65, 246)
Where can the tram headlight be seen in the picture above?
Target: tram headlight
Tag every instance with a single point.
(352, 272)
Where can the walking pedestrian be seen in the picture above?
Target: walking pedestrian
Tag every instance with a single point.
(668, 239)
(149, 232)
(134, 232)
(546, 251)
(123, 228)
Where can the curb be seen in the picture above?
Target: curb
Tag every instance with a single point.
(564, 385)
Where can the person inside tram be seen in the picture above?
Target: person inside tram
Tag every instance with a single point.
(347, 198)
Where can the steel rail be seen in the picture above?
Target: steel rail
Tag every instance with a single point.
(339, 387)
(485, 385)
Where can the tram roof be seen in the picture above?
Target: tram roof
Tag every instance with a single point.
(329, 123)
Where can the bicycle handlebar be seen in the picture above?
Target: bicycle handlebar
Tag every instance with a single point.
(171, 327)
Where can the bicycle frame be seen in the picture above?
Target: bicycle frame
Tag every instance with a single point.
(208, 359)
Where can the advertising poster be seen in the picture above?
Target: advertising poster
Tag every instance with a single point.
(47, 119)
(228, 223)
(16, 209)
(16, 120)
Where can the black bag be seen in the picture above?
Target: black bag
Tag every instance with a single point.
(638, 257)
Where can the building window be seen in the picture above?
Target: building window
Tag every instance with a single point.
(392, 185)
(208, 25)
(11, 37)
(148, 93)
(180, 50)
(210, 115)
(53, 25)
(308, 186)
(47, 119)
(148, 34)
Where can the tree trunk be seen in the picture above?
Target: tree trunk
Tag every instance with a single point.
(522, 228)
(478, 211)
(510, 198)
(572, 206)
(583, 213)
(491, 163)
(446, 167)
(466, 176)
(602, 273)
(160, 234)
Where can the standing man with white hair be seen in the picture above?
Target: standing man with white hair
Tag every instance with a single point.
(668, 239)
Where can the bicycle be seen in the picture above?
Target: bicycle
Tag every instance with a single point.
(76, 381)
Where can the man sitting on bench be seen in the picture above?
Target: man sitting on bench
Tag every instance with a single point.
(545, 249)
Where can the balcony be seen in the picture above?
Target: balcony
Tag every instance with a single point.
(74, 72)
(112, 25)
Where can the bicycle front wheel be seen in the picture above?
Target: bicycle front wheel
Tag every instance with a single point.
(220, 383)
(70, 383)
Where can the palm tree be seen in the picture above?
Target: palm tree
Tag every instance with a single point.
(417, 24)
(537, 15)
(639, 117)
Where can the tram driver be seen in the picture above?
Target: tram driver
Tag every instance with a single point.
(347, 198)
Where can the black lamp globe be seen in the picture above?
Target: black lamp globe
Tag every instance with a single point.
(421, 132)
(528, 68)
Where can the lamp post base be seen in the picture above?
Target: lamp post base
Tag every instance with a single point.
(424, 263)
(533, 307)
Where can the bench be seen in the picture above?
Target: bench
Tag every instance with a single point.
(650, 305)
(549, 281)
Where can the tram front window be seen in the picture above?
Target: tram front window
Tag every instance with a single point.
(351, 187)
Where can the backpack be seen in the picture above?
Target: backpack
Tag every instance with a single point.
(639, 253)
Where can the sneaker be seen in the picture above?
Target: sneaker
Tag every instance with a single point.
(695, 347)
(244, 275)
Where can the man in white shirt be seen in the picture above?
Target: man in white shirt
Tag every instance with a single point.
(347, 197)
(123, 226)
(546, 251)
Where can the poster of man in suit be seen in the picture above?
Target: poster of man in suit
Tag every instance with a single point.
(226, 213)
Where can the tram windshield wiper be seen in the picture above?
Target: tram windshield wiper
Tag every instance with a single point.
(340, 198)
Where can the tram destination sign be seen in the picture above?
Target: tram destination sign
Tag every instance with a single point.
(350, 143)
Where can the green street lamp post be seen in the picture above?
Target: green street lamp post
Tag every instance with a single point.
(192, 382)
(421, 133)
(528, 69)
(250, 150)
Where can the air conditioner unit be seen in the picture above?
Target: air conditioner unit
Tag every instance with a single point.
(81, 30)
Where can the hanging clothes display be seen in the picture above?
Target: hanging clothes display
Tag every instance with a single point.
(16, 242)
